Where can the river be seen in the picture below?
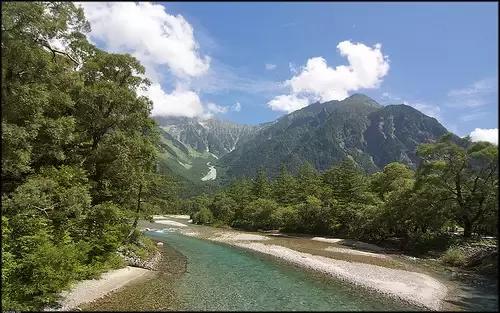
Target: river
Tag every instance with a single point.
(221, 277)
(199, 274)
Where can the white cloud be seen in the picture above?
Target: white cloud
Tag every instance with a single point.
(270, 67)
(236, 107)
(480, 134)
(427, 109)
(317, 81)
(475, 95)
(287, 103)
(180, 102)
(214, 108)
(149, 32)
(161, 42)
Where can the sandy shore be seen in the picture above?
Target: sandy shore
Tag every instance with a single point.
(90, 290)
(415, 288)
(167, 216)
(351, 251)
(171, 223)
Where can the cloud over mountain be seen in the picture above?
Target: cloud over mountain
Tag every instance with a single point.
(317, 81)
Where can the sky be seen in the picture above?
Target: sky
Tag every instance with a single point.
(254, 62)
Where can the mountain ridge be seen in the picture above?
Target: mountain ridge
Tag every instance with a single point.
(323, 134)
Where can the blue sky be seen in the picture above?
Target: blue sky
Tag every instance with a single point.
(439, 58)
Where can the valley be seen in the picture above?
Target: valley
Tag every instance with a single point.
(164, 156)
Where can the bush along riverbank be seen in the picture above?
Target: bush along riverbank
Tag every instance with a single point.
(137, 260)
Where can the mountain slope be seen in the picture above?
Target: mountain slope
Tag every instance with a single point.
(212, 135)
(191, 146)
(327, 133)
(396, 131)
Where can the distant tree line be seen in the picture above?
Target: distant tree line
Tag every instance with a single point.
(79, 153)
(455, 184)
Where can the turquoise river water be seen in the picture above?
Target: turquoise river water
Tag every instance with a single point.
(221, 277)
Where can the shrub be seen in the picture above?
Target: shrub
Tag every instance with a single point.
(203, 216)
(454, 256)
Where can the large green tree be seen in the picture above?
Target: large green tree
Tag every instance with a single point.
(79, 152)
(465, 175)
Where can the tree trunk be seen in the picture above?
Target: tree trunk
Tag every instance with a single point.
(467, 228)
(136, 219)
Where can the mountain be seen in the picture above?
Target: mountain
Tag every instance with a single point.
(324, 134)
(191, 146)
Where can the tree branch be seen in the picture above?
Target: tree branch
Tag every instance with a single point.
(54, 51)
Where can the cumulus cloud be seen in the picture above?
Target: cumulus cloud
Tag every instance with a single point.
(270, 67)
(236, 107)
(287, 103)
(162, 42)
(480, 134)
(180, 102)
(149, 32)
(317, 81)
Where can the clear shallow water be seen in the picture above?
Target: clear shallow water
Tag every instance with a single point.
(220, 277)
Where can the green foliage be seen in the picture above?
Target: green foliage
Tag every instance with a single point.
(223, 208)
(415, 208)
(454, 256)
(261, 187)
(203, 216)
(464, 178)
(79, 153)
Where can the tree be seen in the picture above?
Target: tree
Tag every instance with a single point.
(314, 216)
(284, 187)
(466, 177)
(395, 176)
(256, 214)
(308, 182)
(347, 182)
(203, 216)
(261, 187)
(223, 208)
(79, 152)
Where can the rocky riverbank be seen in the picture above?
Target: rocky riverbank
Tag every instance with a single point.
(412, 287)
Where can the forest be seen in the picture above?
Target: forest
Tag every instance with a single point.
(80, 167)
(454, 186)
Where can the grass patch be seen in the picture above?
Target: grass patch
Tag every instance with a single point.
(454, 256)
